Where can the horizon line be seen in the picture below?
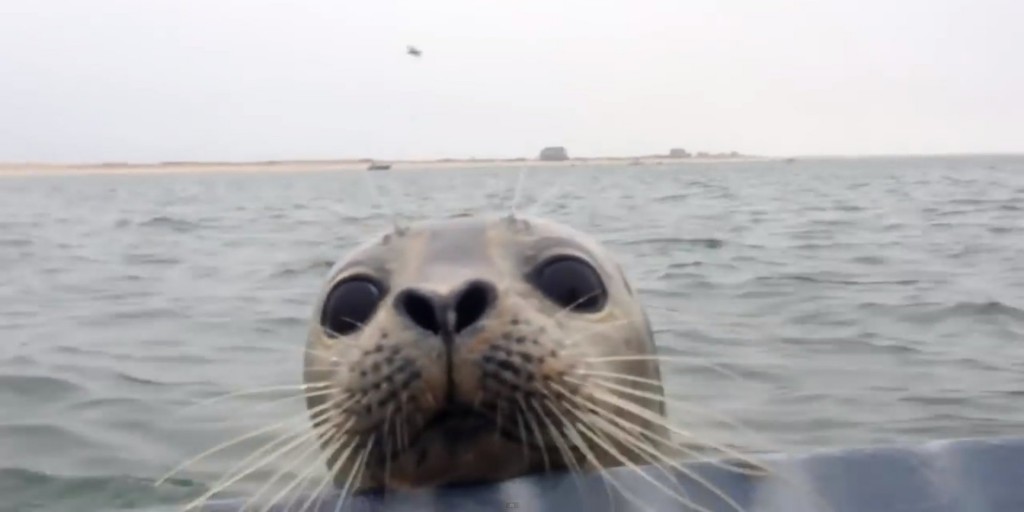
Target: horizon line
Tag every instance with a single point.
(704, 155)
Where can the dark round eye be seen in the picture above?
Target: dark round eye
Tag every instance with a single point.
(349, 305)
(571, 283)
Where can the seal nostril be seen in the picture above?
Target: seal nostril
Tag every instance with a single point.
(420, 309)
(446, 315)
(476, 298)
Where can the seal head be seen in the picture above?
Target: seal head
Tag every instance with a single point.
(474, 350)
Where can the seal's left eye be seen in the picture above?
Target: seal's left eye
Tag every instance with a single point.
(350, 305)
(571, 283)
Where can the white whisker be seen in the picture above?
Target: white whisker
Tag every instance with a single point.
(518, 190)
(249, 392)
(584, 447)
(672, 358)
(332, 471)
(354, 475)
(652, 417)
(301, 438)
(551, 191)
(612, 450)
(623, 433)
(239, 439)
(568, 426)
(302, 455)
(670, 400)
(536, 432)
(374, 193)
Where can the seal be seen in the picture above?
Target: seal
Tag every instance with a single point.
(477, 349)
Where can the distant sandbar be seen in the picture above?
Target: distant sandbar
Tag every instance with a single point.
(52, 169)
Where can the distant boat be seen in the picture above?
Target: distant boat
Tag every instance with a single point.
(374, 166)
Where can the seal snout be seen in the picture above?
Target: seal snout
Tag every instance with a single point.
(447, 315)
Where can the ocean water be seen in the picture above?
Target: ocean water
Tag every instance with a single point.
(817, 304)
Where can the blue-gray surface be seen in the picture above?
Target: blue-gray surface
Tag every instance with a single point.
(828, 303)
(942, 476)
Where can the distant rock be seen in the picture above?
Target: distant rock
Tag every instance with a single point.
(554, 154)
(678, 153)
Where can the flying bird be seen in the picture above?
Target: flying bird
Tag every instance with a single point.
(412, 50)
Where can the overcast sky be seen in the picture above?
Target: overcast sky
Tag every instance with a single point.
(151, 80)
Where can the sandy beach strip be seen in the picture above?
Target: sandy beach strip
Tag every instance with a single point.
(52, 169)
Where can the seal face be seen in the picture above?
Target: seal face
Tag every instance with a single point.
(474, 349)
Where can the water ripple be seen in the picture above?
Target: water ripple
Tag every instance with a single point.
(25, 490)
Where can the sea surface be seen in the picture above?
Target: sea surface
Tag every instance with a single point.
(815, 304)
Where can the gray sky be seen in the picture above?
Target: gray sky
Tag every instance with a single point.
(150, 80)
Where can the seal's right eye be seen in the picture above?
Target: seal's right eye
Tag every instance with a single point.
(349, 305)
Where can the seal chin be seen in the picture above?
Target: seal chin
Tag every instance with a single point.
(457, 424)
(457, 444)
(454, 426)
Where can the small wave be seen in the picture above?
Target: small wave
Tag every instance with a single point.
(124, 404)
(850, 208)
(889, 344)
(683, 265)
(274, 323)
(319, 266)
(18, 360)
(138, 380)
(978, 364)
(150, 259)
(39, 387)
(57, 436)
(708, 243)
(15, 242)
(148, 313)
(868, 260)
(936, 312)
(177, 225)
(990, 308)
(671, 198)
(23, 489)
(896, 227)
(827, 280)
